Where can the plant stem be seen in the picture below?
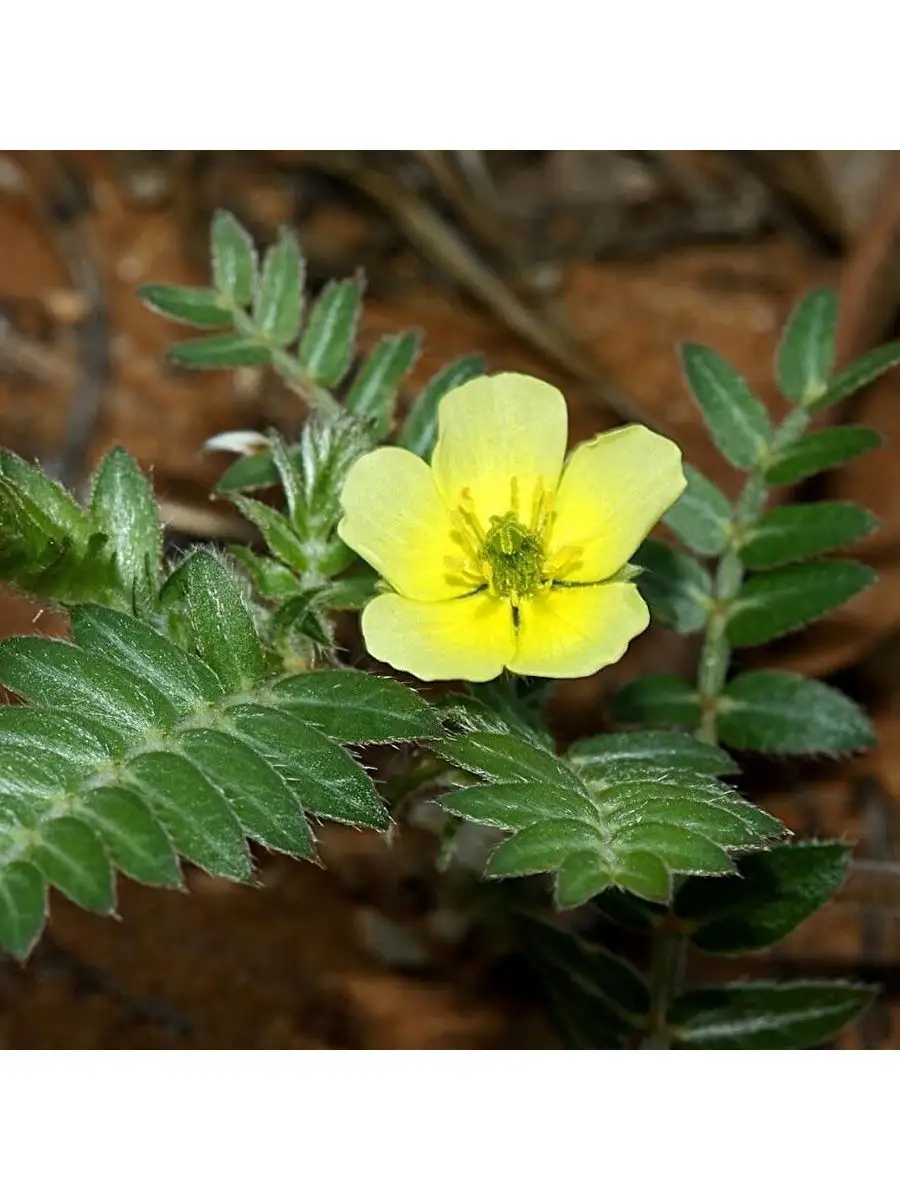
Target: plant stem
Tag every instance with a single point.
(294, 374)
(288, 367)
(716, 653)
(666, 973)
(398, 787)
(670, 947)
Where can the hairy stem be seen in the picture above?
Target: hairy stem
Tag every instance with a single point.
(289, 368)
(396, 789)
(666, 973)
(296, 377)
(670, 947)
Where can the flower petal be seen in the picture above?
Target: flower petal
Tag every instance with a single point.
(613, 491)
(469, 638)
(395, 519)
(495, 428)
(565, 633)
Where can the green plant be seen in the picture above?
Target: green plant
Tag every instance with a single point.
(202, 704)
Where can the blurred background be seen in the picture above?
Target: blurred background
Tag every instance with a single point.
(584, 267)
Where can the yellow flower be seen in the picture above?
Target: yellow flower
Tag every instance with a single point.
(498, 554)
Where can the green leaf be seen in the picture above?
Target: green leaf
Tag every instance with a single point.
(657, 700)
(26, 530)
(278, 305)
(737, 421)
(633, 796)
(84, 742)
(596, 999)
(645, 875)
(33, 777)
(581, 876)
(630, 826)
(290, 476)
(471, 714)
(195, 306)
(627, 912)
(516, 805)
(134, 839)
(799, 531)
(676, 751)
(508, 759)
(583, 1021)
(374, 392)
(52, 501)
(193, 812)
(858, 375)
(420, 428)
(676, 587)
(681, 849)
(775, 712)
(776, 891)
(48, 546)
(300, 616)
(124, 508)
(330, 782)
(820, 451)
(537, 848)
(326, 348)
(48, 672)
(233, 260)
(766, 1016)
(328, 448)
(519, 704)
(806, 354)
(219, 351)
(702, 517)
(352, 591)
(29, 786)
(335, 556)
(23, 908)
(188, 683)
(71, 857)
(223, 632)
(175, 762)
(780, 601)
(271, 578)
(593, 970)
(353, 706)
(249, 473)
(264, 804)
(276, 529)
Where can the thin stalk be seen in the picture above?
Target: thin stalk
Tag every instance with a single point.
(670, 948)
(666, 974)
(288, 367)
(294, 374)
(396, 789)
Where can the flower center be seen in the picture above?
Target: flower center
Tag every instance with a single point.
(512, 558)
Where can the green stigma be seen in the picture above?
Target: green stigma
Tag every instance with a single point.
(513, 558)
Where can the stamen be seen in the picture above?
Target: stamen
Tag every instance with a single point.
(467, 532)
(460, 573)
(542, 511)
(511, 556)
(537, 503)
(564, 561)
(467, 509)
